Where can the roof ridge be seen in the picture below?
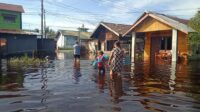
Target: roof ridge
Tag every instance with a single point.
(168, 15)
(11, 4)
(115, 23)
(11, 7)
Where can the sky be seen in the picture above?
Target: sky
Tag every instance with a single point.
(71, 14)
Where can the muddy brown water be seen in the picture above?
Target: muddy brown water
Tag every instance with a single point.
(59, 87)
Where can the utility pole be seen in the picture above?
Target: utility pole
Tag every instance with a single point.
(42, 20)
(79, 34)
(45, 33)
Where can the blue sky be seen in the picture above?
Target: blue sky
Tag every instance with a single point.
(70, 14)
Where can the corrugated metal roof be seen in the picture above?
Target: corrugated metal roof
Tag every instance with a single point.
(83, 35)
(11, 7)
(21, 32)
(178, 23)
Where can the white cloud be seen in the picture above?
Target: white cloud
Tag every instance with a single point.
(130, 9)
(126, 9)
(186, 8)
(123, 11)
(55, 0)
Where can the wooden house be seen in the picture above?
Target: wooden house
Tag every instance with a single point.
(106, 34)
(166, 37)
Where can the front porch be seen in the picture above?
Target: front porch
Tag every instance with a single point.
(161, 41)
(162, 45)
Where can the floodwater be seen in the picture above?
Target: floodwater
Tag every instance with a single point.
(59, 87)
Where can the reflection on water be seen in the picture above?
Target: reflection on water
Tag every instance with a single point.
(76, 74)
(58, 86)
(116, 88)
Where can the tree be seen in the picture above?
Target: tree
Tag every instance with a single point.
(50, 33)
(195, 22)
(37, 30)
(194, 38)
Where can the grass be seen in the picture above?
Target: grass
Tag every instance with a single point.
(65, 48)
(26, 61)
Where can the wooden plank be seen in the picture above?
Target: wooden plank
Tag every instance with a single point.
(183, 42)
(151, 24)
(111, 36)
(147, 47)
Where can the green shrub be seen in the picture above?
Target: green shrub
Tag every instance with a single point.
(26, 61)
(64, 48)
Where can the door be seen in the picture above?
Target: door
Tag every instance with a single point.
(3, 46)
(99, 45)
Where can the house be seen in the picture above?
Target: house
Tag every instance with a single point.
(11, 16)
(166, 37)
(13, 39)
(67, 38)
(106, 34)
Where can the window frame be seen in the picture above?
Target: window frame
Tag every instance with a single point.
(166, 43)
(9, 18)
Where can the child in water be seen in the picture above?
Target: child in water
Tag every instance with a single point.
(101, 69)
(101, 63)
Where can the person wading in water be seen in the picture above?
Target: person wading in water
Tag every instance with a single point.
(116, 60)
(77, 53)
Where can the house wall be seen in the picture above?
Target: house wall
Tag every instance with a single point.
(17, 44)
(6, 25)
(48, 45)
(92, 45)
(111, 36)
(150, 24)
(182, 42)
(101, 39)
(147, 47)
(70, 41)
(60, 41)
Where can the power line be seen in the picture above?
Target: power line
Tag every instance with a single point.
(53, 26)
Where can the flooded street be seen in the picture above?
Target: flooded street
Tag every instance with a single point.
(59, 87)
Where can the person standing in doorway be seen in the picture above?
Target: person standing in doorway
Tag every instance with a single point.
(116, 60)
(77, 53)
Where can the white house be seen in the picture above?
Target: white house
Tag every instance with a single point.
(67, 38)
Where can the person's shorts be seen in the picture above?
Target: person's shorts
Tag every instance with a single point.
(77, 56)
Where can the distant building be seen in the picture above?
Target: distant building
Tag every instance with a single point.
(106, 34)
(67, 38)
(13, 39)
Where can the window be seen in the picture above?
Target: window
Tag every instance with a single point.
(9, 18)
(110, 44)
(169, 43)
(166, 43)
